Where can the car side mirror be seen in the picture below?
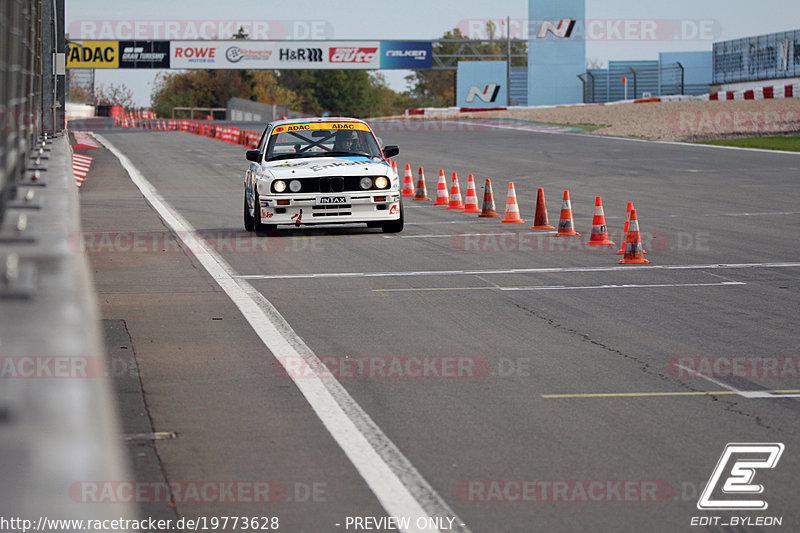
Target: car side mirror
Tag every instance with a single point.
(391, 150)
(253, 155)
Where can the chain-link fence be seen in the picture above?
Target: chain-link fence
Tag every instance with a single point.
(762, 57)
(644, 80)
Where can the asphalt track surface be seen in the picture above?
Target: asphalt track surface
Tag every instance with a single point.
(562, 408)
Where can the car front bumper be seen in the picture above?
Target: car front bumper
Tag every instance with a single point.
(335, 208)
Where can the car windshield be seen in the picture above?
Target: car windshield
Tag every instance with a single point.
(325, 139)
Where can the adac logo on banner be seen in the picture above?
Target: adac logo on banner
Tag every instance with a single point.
(93, 54)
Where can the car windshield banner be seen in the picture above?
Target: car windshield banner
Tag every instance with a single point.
(320, 126)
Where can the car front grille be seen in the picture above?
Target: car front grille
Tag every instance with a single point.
(328, 184)
(333, 210)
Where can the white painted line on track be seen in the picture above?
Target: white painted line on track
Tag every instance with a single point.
(516, 271)
(567, 287)
(760, 394)
(398, 486)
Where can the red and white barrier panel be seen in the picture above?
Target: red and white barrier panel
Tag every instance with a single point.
(229, 134)
(759, 93)
(80, 167)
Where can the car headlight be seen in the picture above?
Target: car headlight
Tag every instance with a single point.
(279, 186)
(381, 182)
(365, 183)
(295, 186)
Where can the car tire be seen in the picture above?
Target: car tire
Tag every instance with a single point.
(394, 226)
(249, 221)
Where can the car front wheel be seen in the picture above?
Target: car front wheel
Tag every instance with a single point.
(249, 222)
(257, 225)
(394, 226)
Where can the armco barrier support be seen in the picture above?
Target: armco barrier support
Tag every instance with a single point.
(55, 431)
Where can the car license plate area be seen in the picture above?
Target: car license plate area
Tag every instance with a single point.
(333, 200)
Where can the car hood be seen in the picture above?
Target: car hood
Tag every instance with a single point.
(326, 166)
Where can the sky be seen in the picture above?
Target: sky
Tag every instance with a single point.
(697, 23)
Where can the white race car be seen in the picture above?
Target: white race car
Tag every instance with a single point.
(321, 171)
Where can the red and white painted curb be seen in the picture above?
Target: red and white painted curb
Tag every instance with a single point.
(83, 141)
(80, 167)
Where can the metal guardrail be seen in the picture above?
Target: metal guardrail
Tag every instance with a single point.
(58, 421)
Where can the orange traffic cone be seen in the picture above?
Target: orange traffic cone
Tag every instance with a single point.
(422, 190)
(566, 226)
(408, 182)
(489, 210)
(599, 229)
(512, 208)
(455, 194)
(394, 167)
(441, 191)
(471, 204)
(621, 250)
(540, 219)
(634, 253)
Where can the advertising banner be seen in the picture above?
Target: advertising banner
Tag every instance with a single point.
(144, 54)
(244, 54)
(406, 55)
(93, 54)
(481, 84)
(250, 54)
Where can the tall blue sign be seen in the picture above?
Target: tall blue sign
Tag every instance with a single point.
(481, 84)
(556, 51)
